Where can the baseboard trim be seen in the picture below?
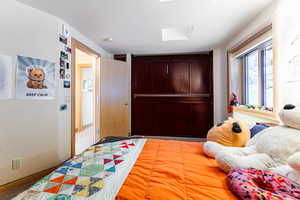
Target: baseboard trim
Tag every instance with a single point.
(31, 178)
(27, 179)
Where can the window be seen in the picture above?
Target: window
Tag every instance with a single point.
(258, 76)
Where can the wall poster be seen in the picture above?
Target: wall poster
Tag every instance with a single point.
(35, 79)
(5, 77)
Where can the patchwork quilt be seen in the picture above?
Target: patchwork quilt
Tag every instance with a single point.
(97, 173)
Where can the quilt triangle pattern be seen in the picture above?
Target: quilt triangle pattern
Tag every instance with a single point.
(60, 197)
(66, 189)
(68, 163)
(118, 161)
(107, 161)
(124, 146)
(58, 179)
(116, 156)
(71, 181)
(85, 191)
(83, 176)
(77, 165)
(62, 170)
(53, 190)
(82, 193)
(112, 169)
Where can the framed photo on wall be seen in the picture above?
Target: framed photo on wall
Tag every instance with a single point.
(35, 79)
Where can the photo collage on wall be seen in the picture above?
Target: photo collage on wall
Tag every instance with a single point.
(65, 57)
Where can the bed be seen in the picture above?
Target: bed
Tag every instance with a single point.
(135, 169)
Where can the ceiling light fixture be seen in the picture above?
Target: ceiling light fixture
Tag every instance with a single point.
(108, 39)
(165, 0)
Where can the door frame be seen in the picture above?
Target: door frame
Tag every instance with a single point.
(82, 127)
(78, 45)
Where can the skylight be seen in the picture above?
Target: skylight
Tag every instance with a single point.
(173, 34)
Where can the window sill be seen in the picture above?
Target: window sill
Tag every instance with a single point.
(257, 113)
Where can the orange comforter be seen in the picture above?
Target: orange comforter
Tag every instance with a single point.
(174, 170)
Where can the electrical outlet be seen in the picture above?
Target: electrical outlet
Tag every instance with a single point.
(16, 164)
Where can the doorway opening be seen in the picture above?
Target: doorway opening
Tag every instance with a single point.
(85, 96)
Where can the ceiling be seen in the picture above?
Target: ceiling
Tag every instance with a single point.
(135, 25)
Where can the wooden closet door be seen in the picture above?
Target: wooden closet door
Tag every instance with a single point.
(172, 95)
(158, 77)
(150, 78)
(141, 77)
(201, 77)
(114, 84)
(179, 77)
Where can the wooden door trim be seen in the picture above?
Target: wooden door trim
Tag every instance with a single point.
(78, 45)
(86, 65)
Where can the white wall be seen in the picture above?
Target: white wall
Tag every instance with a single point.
(262, 20)
(220, 85)
(220, 60)
(286, 29)
(35, 131)
(284, 15)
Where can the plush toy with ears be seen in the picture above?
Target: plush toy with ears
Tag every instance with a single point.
(276, 148)
(291, 170)
(231, 133)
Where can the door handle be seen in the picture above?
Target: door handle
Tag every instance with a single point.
(126, 104)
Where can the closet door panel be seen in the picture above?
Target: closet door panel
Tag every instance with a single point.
(201, 119)
(183, 122)
(143, 122)
(158, 78)
(179, 77)
(200, 77)
(164, 119)
(141, 77)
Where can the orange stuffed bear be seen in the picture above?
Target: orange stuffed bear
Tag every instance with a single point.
(232, 133)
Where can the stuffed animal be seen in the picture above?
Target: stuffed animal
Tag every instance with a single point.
(231, 133)
(290, 117)
(36, 79)
(276, 148)
(291, 170)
